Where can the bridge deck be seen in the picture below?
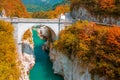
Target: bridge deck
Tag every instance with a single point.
(32, 20)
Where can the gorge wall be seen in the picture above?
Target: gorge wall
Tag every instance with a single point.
(71, 70)
(62, 64)
(27, 56)
(83, 14)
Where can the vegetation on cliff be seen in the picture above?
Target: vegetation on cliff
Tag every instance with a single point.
(52, 13)
(27, 36)
(100, 7)
(96, 45)
(13, 8)
(8, 57)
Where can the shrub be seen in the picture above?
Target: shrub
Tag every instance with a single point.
(96, 45)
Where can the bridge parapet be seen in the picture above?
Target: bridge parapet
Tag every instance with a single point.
(33, 20)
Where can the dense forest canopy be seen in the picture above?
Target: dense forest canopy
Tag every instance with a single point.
(97, 46)
(13, 8)
(8, 57)
(52, 13)
(100, 7)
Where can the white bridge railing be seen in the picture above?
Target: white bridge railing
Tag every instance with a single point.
(33, 20)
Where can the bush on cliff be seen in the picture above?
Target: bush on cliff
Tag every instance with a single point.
(96, 45)
(100, 7)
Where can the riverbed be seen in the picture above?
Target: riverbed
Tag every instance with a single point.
(42, 69)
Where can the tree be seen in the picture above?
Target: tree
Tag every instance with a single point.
(14, 8)
(95, 45)
(107, 4)
(52, 13)
(8, 57)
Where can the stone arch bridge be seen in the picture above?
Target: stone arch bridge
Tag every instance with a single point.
(21, 25)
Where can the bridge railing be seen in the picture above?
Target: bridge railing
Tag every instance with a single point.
(33, 20)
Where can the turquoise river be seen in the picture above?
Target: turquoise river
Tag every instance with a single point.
(42, 69)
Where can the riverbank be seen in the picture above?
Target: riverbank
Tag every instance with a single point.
(27, 58)
(43, 66)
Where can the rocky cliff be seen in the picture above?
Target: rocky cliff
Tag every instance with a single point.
(27, 57)
(71, 70)
(83, 14)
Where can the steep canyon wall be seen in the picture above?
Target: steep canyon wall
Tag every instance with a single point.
(83, 14)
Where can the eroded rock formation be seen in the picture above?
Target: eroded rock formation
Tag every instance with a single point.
(27, 58)
(83, 14)
(71, 70)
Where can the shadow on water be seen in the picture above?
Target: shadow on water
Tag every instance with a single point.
(42, 69)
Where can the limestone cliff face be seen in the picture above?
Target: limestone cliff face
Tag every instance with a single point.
(27, 57)
(71, 70)
(84, 14)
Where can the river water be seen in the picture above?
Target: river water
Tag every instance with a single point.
(42, 69)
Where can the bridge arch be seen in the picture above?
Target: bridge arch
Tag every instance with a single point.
(43, 31)
(23, 27)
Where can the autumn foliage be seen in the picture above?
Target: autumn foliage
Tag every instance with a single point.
(114, 37)
(27, 36)
(100, 7)
(52, 13)
(14, 8)
(107, 4)
(8, 57)
(96, 45)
